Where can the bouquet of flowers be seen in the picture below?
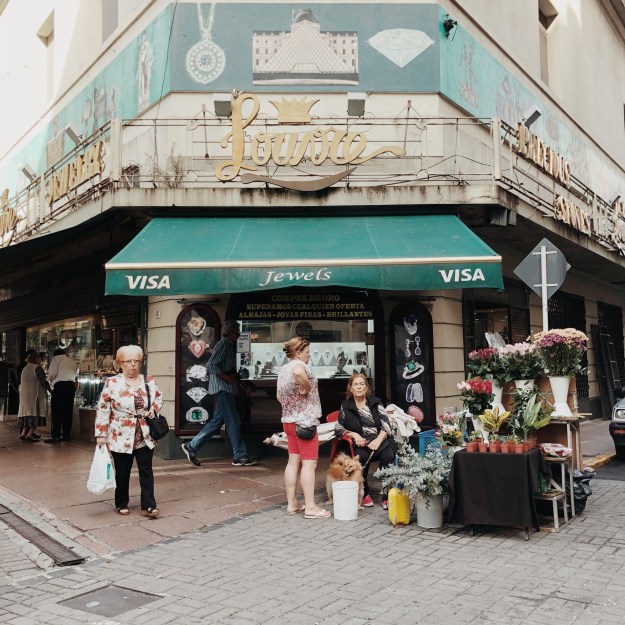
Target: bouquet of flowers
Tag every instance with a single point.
(477, 395)
(449, 431)
(521, 361)
(561, 351)
(486, 363)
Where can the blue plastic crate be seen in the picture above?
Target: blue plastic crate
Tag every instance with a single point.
(426, 439)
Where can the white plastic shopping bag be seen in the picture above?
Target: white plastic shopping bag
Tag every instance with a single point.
(102, 475)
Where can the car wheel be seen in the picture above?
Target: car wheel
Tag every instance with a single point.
(620, 453)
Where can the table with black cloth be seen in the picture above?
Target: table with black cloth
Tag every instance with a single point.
(495, 488)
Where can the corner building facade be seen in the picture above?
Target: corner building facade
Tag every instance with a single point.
(365, 175)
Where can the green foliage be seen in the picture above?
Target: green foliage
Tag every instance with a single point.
(427, 475)
(531, 412)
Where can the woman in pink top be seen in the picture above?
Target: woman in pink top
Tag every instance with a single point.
(299, 395)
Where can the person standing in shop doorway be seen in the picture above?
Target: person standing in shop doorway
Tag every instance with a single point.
(223, 385)
(62, 378)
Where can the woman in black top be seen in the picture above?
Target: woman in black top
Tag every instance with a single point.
(363, 419)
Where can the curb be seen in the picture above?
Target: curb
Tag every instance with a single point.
(600, 460)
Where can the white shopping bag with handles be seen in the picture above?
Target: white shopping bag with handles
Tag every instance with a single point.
(102, 475)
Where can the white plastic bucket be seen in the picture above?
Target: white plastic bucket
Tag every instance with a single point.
(345, 495)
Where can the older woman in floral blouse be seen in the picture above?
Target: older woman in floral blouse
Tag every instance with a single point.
(126, 402)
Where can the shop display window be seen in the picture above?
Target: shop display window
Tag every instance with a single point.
(339, 326)
(92, 342)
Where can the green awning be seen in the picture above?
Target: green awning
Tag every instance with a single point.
(202, 255)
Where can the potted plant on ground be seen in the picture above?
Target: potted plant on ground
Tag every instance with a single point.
(426, 478)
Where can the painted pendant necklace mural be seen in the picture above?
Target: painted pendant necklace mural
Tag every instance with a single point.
(206, 61)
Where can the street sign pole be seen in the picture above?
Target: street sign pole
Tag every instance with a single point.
(544, 265)
(544, 286)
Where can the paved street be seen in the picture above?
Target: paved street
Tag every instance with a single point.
(273, 568)
(250, 563)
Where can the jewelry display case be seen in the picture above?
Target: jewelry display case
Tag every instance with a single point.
(327, 360)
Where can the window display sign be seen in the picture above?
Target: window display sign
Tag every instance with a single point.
(412, 366)
(243, 343)
(304, 305)
(197, 328)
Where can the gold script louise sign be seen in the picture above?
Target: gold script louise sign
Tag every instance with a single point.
(290, 148)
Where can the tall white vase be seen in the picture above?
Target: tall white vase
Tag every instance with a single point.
(430, 516)
(498, 393)
(560, 390)
(523, 385)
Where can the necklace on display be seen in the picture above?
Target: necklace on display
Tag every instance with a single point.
(315, 357)
(205, 60)
(327, 357)
(280, 357)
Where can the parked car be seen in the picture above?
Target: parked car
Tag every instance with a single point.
(617, 425)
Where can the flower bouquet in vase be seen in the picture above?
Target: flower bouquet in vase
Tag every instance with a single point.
(449, 432)
(477, 395)
(522, 363)
(561, 352)
(488, 365)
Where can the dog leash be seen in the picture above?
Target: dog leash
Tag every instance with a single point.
(368, 460)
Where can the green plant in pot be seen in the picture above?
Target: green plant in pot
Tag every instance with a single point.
(531, 412)
(427, 476)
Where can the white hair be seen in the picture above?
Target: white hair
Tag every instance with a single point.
(128, 351)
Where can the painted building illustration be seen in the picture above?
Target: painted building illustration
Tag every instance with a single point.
(306, 55)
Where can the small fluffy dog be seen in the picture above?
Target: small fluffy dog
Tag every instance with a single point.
(347, 469)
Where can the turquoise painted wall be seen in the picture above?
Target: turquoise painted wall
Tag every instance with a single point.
(233, 26)
(479, 84)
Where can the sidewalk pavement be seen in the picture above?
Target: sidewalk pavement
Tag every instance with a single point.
(46, 485)
(270, 568)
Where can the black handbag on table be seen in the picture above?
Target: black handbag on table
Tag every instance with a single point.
(306, 434)
(159, 428)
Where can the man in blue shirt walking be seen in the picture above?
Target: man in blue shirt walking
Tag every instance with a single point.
(223, 384)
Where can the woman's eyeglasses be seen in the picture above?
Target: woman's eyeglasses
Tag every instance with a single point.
(131, 362)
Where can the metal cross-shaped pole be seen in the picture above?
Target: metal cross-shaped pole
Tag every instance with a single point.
(543, 283)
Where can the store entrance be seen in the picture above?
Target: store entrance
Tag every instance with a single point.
(340, 325)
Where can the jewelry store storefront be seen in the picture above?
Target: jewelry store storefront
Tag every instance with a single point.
(349, 285)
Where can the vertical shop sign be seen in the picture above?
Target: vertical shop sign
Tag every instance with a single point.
(412, 371)
(197, 329)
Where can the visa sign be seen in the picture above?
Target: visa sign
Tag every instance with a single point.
(148, 282)
(461, 275)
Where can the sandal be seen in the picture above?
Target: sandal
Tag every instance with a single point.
(151, 512)
(322, 514)
(302, 508)
(123, 511)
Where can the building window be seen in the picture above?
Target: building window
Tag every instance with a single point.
(546, 16)
(109, 18)
(46, 35)
(568, 311)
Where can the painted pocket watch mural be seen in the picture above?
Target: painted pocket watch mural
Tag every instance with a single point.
(412, 369)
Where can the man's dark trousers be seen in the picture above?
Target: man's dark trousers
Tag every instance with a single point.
(62, 410)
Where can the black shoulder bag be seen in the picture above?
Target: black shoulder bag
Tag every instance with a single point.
(159, 428)
(305, 434)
